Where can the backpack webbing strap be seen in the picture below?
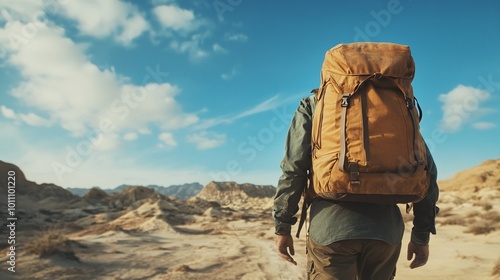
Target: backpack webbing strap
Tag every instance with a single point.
(415, 120)
(308, 200)
(344, 103)
(416, 147)
(353, 168)
(303, 215)
(419, 109)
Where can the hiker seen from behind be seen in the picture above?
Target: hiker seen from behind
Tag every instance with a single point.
(354, 151)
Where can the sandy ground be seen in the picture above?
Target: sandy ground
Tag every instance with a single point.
(454, 255)
(239, 250)
(234, 250)
(239, 244)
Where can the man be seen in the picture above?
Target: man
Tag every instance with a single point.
(346, 239)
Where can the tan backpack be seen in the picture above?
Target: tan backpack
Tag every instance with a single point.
(366, 139)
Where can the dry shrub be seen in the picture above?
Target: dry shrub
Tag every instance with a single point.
(101, 228)
(183, 268)
(473, 214)
(45, 212)
(52, 243)
(445, 212)
(471, 221)
(453, 220)
(496, 270)
(481, 228)
(492, 216)
(485, 205)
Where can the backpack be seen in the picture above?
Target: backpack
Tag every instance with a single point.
(366, 141)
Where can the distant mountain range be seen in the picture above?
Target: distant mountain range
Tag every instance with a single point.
(178, 191)
(238, 195)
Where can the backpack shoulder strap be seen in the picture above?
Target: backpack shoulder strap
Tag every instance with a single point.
(307, 198)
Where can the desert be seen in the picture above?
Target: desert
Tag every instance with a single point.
(225, 231)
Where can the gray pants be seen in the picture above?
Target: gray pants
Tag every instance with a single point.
(357, 259)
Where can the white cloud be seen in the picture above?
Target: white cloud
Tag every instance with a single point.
(167, 139)
(139, 106)
(230, 75)
(109, 170)
(207, 140)
(131, 136)
(181, 27)
(106, 170)
(132, 29)
(107, 142)
(461, 105)
(160, 2)
(191, 46)
(34, 120)
(103, 18)
(236, 37)
(30, 118)
(218, 48)
(75, 94)
(175, 18)
(27, 10)
(8, 113)
(484, 125)
(144, 130)
(267, 105)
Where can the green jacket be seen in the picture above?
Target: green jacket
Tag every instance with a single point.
(333, 221)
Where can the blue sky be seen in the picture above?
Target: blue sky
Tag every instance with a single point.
(103, 93)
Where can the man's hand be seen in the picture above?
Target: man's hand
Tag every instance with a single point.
(421, 253)
(284, 243)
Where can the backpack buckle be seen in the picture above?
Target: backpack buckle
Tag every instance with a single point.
(354, 173)
(344, 102)
(409, 103)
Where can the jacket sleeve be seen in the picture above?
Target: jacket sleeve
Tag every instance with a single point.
(425, 211)
(295, 168)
